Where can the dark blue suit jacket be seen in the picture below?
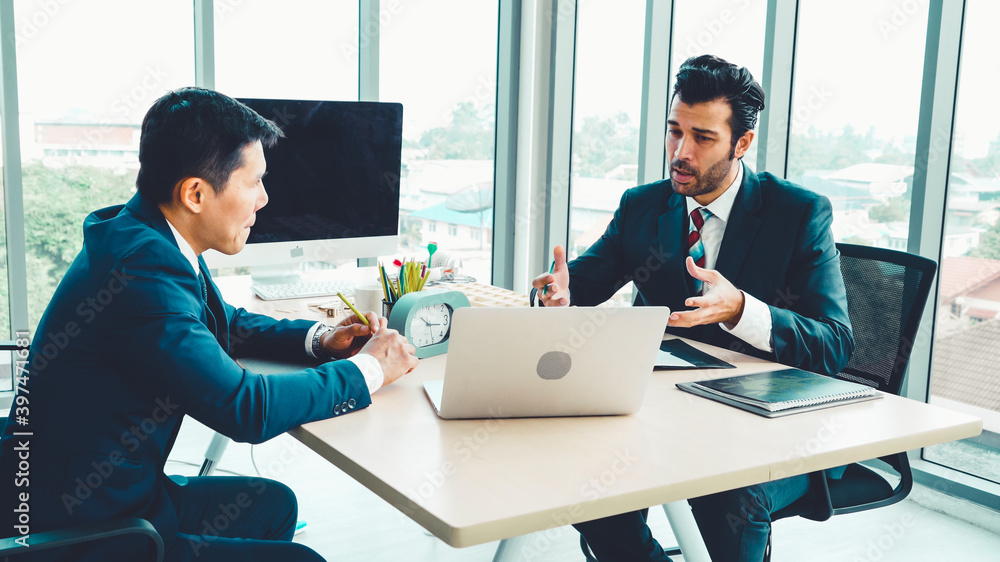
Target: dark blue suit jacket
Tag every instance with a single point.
(777, 246)
(125, 349)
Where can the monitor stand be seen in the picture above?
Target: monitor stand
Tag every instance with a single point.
(284, 274)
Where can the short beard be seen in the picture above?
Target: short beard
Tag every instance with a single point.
(711, 179)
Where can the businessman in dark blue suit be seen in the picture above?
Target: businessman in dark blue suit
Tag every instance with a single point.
(745, 261)
(137, 335)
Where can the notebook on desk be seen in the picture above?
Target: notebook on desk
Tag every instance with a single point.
(782, 392)
(545, 362)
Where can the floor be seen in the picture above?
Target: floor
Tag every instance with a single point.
(347, 522)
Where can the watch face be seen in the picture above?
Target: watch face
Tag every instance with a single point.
(430, 325)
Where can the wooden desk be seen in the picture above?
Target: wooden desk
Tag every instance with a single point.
(475, 481)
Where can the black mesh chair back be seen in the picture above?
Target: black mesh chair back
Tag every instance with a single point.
(886, 293)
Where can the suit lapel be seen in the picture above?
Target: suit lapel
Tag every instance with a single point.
(672, 231)
(218, 322)
(741, 227)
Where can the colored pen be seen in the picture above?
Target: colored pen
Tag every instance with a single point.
(356, 313)
(545, 289)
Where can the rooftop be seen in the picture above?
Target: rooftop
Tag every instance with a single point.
(961, 274)
(964, 367)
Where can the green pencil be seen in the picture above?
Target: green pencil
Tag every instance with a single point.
(356, 313)
(545, 289)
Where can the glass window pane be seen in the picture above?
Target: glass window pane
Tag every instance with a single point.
(80, 120)
(295, 49)
(730, 30)
(606, 104)
(966, 351)
(5, 331)
(444, 74)
(607, 95)
(6, 357)
(845, 142)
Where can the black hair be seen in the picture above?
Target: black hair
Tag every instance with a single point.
(196, 133)
(708, 78)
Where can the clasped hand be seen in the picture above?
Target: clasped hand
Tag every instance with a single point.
(394, 353)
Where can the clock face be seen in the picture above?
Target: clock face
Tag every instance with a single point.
(430, 325)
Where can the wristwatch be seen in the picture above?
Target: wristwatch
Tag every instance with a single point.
(317, 347)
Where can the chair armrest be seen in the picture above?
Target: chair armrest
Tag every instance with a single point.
(83, 534)
(901, 464)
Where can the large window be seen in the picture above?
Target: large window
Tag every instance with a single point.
(606, 100)
(438, 58)
(294, 49)
(730, 30)
(967, 336)
(6, 358)
(846, 141)
(5, 330)
(87, 73)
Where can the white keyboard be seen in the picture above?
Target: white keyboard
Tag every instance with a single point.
(305, 289)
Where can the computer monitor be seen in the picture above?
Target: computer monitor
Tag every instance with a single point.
(332, 185)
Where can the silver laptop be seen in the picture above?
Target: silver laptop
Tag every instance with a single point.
(541, 362)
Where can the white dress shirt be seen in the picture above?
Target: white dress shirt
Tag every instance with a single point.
(755, 325)
(369, 366)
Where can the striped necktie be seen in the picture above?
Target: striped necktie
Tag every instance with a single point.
(696, 249)
(204, 285)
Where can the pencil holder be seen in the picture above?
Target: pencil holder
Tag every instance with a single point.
(386, 308)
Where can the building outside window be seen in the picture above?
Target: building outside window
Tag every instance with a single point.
(80, 121)
(967, 328)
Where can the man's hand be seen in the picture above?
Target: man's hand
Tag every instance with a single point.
(393, 352)
(553, 288)
(722, 302)
(348, 336)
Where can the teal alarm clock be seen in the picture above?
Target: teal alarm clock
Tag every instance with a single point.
(424, 318)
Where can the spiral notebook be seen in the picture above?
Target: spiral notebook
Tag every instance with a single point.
(778, 393)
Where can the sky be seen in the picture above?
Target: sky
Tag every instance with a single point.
(858, 61)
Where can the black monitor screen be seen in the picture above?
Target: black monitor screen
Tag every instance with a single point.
(335, 174)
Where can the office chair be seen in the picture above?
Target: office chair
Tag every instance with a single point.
(886, 294)
(10, 549)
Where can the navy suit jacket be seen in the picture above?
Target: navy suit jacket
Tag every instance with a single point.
(126, 348)
(777, 246)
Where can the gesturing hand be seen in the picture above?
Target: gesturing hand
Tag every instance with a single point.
(722, 302)
(553, 288)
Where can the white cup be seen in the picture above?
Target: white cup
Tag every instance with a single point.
(368, 298)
